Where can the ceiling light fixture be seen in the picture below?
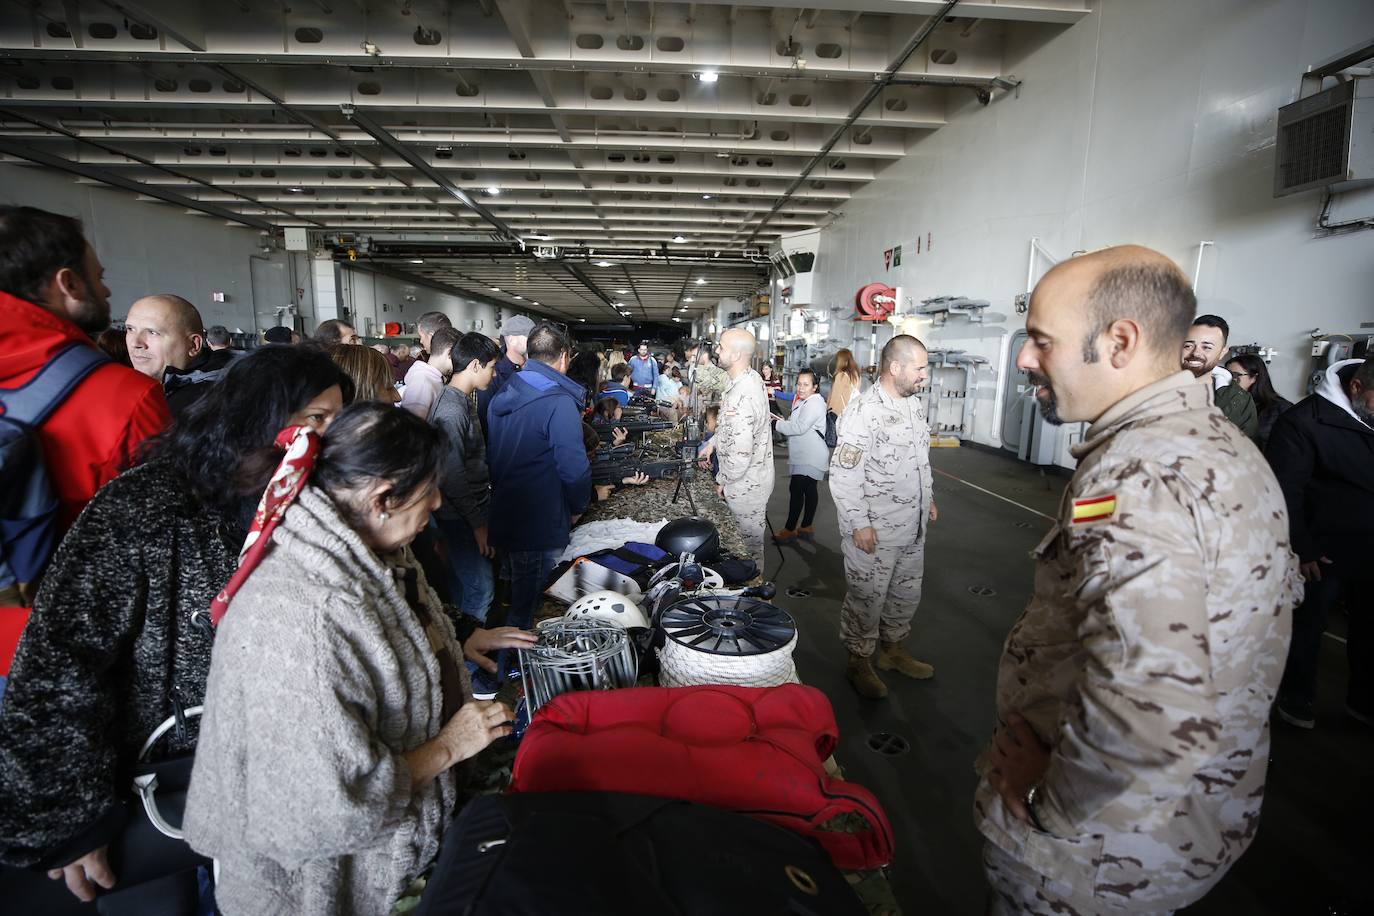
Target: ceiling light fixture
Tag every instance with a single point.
(296, 190)
(701, 281)
(623, 292)
(496, 289)
(706, 197)
(603, 263)
(708, 76)
(417, 260)
(678, 240)
(688, 299)
(494, 191)
(517, 297)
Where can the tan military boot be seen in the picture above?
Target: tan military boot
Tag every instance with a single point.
(860, 673)
(894, 656)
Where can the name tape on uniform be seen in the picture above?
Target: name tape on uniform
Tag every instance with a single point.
(1093, 510)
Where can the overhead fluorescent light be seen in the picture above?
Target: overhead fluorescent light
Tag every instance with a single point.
(582, 319)
(688, 299)
(603, 263)
(517, 297)
(496, 289)
(701, 281)
(678, 240)
(494, 191)
(708, 76)
(706, 197)
(623, 292)
(617, 305)
(675, 318)
(417, 260)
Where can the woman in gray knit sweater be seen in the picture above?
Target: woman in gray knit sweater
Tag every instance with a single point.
(338, 703)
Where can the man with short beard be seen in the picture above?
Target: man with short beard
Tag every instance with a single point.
(52, 297)
(1133, 695)
(1203, 349)
(881, 482)
(1322, 450)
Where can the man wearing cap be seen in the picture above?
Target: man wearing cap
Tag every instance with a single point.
(515, 331)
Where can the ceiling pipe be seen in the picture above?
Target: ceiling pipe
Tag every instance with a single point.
(873, 91)
(20, 151)
(415, 161)
(58, 130)
(587, 281)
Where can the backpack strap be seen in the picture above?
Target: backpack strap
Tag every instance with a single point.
(31, 402)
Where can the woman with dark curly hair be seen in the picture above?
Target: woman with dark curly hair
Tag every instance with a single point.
(1253, 375)
(118, 639)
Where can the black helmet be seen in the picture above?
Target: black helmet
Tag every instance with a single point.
(689, 535)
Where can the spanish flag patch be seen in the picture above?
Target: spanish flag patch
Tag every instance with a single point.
(1093, 510)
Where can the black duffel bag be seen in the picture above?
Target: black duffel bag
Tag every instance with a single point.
(607, 854)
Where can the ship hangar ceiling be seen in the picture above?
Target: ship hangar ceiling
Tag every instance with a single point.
(600, 161)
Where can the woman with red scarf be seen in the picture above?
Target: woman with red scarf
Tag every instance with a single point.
(338, 702)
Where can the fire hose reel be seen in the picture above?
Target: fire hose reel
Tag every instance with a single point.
(875, 302)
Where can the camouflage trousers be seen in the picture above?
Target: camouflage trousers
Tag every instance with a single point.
(750, 513)
(884, 588)
(1018, 889)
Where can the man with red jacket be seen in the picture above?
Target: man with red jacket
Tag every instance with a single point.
(51, 295)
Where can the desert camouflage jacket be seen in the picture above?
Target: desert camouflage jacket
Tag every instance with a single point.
(1149, 655)
(744, 440)
(880, 469)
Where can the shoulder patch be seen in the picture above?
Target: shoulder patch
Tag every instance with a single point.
(848, 455)
(1096, 509)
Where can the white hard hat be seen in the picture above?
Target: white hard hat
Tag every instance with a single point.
(609, 606)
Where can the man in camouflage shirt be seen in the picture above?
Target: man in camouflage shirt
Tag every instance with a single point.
(1133, 697)
(743, 443)
(881, 482)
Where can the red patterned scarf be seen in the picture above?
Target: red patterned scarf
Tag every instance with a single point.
(301, 445)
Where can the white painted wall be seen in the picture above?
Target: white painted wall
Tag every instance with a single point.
(1150, 123)
(369, 295)
(153, 247)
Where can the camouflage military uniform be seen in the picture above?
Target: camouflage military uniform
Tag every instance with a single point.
(1146, 661)
(880, 477)
(708, 383)
(744, 448)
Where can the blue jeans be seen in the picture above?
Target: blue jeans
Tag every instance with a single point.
(528, 571)
(471, 584)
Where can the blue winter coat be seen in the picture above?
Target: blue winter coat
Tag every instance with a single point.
(539, 471)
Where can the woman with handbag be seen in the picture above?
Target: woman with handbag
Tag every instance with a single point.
(117, 641)
(808, 457)
(338, 703)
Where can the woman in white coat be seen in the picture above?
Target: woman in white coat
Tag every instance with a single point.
(807, 457)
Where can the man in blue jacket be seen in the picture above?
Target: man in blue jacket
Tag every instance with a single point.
(540, 479)
(643, 368)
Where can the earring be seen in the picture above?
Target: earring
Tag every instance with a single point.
(385, 516)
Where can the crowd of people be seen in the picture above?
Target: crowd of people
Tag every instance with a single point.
(304, 542)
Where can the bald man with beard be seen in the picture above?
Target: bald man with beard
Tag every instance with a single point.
(743, 443)
(166, 339)
(1133, 695)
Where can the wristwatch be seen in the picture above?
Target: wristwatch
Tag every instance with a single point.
(1029, 801)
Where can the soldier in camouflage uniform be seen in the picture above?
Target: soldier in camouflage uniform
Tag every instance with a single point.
(743, 443)
(1133, 696)
(881, 483)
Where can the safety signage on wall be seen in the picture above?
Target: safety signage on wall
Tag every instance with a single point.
(892, 257)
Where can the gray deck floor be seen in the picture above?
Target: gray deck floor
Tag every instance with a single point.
(1314, 840)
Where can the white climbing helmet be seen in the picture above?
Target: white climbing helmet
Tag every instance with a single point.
(609, 606)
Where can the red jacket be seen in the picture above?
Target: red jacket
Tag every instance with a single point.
(96, 431)
(90, 437)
